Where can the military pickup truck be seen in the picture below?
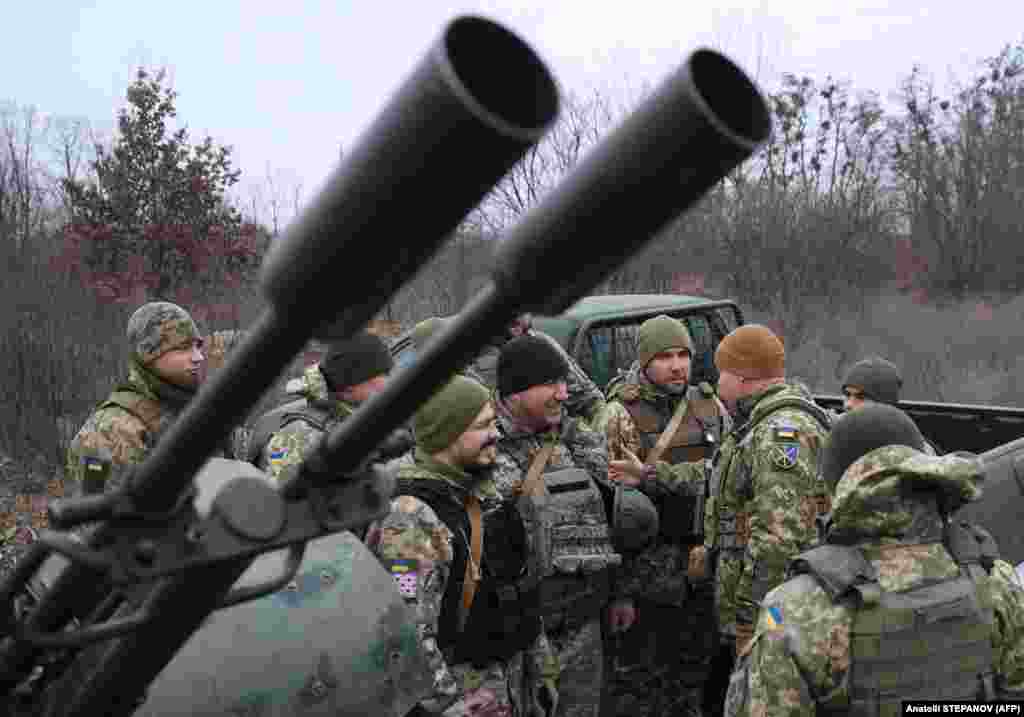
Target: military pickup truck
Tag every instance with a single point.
(600, 333)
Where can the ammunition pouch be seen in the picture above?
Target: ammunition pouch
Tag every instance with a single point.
(569, 601)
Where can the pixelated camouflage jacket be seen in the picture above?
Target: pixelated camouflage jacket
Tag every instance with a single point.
(412, 535)
(801, 645)
(577, 445)
(128, 435)
(657, 573)
(585, 398)
(765, 495)
(287, 448)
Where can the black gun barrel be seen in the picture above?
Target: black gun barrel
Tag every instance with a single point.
(704, 120)
(471, 108)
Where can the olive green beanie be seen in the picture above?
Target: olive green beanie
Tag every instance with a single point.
(661, 333)
(448, 413)
(422, 332)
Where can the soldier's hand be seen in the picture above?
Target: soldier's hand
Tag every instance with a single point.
(621, 615)
(629, 471)
(482, 702)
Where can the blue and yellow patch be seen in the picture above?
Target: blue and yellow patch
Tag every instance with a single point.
(773, 618)
(278, 455)
(405, 574)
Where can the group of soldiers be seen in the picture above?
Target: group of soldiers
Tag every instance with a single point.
(657, 548)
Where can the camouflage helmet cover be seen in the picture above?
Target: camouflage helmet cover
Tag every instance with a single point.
(158, 327)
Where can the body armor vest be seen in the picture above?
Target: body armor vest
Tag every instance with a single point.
(504, 617)
(693, 441)
(573, 553)
(274, 420)
(933, 642)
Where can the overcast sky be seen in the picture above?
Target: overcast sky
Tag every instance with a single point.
(290, 82)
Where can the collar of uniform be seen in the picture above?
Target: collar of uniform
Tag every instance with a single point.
(746, 406)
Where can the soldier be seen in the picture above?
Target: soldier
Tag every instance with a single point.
(875, 380)
(557, 467)
(585, 398)
(900, 603)
(457, 551)
(653, 415)
(764, 494)
(352, 371)
(164, 372)
(872, 379)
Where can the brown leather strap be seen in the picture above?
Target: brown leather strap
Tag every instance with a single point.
(476, 541)
(533, 485)
(670, 431)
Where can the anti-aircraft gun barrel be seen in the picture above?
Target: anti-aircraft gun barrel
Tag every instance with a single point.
(471, 108)
(704, 120)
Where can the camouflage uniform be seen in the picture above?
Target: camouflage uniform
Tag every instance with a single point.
(577, 643)
(802, 648)
(412, 533)
(764, 497)
(585, 398)
(288, 447)
(658, 671)
(130, 421)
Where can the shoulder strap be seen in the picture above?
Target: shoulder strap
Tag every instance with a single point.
(472, 576)
(972, 547)
(813, 409)
(669, 433)
(318, 418)
(839, 569)
(143, 408)
(533, 485)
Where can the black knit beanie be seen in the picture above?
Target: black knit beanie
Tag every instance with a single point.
(358, 359)
(528, 361)
(859, 432)
(879, 379)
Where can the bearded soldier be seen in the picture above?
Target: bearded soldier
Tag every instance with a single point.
(656, 422)
(902, 602)
(764, 494)
(164, 372)
(556, 468)
(458, 553)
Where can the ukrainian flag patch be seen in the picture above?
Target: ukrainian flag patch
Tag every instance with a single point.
(404, 571)
(774, 618)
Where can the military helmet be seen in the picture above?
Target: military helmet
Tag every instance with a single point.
(634, 520)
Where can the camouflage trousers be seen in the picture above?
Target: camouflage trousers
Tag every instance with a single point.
(659, 666)
(581, 662)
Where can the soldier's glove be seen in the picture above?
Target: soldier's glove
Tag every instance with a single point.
(744, 634)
